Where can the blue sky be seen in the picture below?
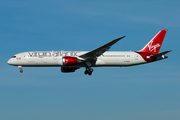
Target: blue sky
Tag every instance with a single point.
(148, 91)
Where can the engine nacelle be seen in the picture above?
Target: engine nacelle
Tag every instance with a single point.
(69, 61)
(68, 69)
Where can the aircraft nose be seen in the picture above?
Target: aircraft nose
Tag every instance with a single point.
(9, 61)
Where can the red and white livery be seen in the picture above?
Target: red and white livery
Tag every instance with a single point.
(69, 61)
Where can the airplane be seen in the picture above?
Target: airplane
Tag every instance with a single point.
(70, 61)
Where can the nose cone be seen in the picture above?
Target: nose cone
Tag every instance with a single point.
(9, 62)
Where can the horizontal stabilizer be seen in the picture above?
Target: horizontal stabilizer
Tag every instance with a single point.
(160, 55)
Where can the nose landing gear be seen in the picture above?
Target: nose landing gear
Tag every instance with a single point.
(20, 67)
(21, 71)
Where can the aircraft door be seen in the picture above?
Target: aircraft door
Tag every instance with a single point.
(23, 57)
(136, 56)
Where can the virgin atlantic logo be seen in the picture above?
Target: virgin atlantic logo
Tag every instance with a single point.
(153, 47)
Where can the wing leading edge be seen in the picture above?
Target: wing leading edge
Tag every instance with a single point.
(99, 51)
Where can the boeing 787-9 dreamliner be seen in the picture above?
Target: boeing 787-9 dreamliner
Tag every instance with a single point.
(69, 61)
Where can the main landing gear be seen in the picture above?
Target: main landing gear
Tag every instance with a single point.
(88, 71)
(20, 67)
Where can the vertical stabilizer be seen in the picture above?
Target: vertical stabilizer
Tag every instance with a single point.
(155, 44)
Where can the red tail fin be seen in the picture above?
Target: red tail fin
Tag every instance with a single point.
(155, 44)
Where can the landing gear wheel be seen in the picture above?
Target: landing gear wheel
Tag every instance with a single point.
(21, 71)
(85, 72)
(88, 71)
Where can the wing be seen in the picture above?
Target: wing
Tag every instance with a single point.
(99, 51)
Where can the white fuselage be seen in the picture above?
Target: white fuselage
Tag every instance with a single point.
(54, 58)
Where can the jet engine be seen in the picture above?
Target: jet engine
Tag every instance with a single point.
(69, 61)
(68, 69)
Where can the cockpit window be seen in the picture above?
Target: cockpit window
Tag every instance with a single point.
(13, 57)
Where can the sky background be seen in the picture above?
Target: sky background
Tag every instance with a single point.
(144, 92)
